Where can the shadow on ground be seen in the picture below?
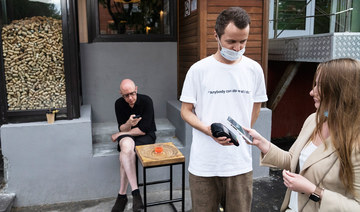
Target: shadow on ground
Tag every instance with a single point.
(268, 194)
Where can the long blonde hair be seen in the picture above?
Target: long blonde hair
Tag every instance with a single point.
(339, 90)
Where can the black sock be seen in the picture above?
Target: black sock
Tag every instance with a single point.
(135, 192)
(122, 195)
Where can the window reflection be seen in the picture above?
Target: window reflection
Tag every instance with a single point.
(292, 14)
(19, 9)
(134, 17)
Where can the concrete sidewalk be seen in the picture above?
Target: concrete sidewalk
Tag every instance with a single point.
(268, 195)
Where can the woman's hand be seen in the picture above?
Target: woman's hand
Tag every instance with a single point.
(258, 140)
(298, 183)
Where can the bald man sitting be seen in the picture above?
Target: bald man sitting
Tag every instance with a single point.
(135, 117)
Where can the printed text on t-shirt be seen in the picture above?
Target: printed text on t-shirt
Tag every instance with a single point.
(229, 91)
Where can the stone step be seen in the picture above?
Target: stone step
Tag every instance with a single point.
(102, 131)
(101, 149)
(6, 201)
(103, 146)
(164, 128)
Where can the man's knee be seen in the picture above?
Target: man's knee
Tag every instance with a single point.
(127, 144)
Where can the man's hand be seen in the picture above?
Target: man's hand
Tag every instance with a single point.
(133, 121)
(189, 116)
(221, 140)
(115, 136)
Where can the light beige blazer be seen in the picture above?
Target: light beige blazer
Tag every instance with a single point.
(322, 165)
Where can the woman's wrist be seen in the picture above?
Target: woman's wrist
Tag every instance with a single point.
(317, 194)
(264, 146)
(322, 193)
(313, 189)
(319, 191)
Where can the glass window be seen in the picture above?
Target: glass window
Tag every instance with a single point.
(336, 16)
(133, 20)
(33, 58)
(322, 16)
(355, 19)
(347, 21)
(19, 9)
(291, 14)
(308, 17)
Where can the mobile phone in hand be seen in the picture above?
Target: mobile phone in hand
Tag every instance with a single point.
(240, 130)
(136, 116)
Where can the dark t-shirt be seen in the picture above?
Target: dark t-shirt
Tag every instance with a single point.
(143, 107)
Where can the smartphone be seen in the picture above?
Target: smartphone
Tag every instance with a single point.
(240, 130)
(136, 116)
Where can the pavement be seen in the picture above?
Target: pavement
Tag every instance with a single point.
(268, 193)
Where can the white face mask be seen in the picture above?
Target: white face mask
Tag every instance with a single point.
(230, 54)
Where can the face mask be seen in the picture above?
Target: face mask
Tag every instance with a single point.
(231, 54)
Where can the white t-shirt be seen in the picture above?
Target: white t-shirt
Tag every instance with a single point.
(219, 90)
(304, 155)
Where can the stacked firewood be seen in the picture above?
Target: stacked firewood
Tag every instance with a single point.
(34, 64)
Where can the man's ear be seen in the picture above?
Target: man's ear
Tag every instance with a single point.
(215, 35)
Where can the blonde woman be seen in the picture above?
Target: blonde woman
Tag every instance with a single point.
(322, 168)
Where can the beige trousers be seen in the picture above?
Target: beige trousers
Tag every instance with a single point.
(233, 193)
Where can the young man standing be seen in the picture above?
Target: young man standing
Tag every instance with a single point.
(135, 117)
(221, 85)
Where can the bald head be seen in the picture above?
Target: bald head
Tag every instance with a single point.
(127, 84)
(128, 90)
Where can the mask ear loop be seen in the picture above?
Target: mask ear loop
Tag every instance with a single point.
(218, 40)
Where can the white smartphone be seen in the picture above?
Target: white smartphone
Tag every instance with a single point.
(240, 130)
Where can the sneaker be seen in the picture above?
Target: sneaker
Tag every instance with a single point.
(137, 203)
(119, 204)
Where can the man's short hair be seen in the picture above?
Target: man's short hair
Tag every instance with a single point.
(237, 15)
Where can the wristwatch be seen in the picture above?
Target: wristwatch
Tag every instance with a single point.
(315, 196)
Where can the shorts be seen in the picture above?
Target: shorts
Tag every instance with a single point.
(233, 193)
(139, 140)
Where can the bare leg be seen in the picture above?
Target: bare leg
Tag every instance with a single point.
(123, 179)
(127, 167)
